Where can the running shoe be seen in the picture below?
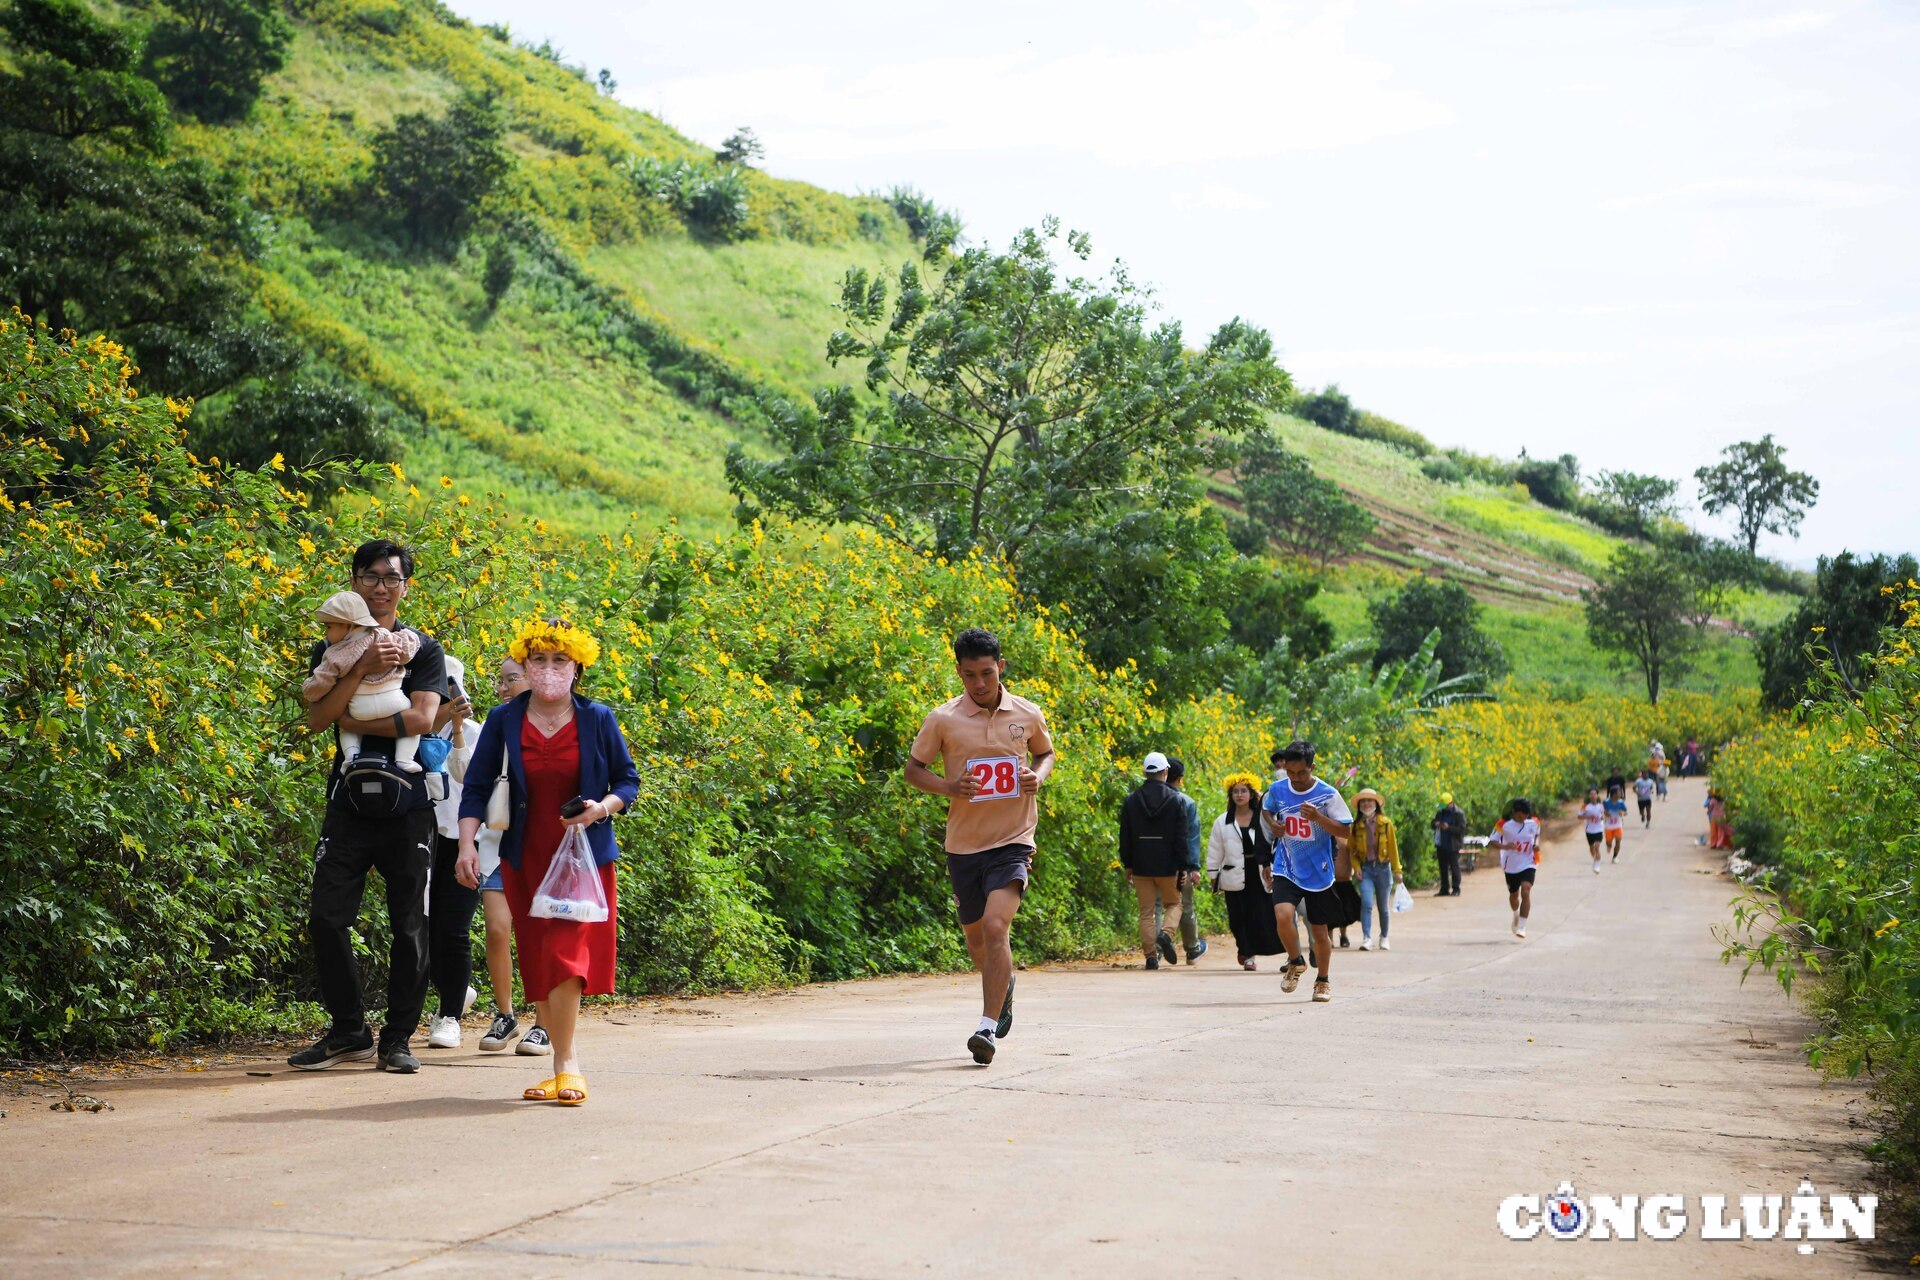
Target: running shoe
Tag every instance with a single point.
(1385, 945)
(1320, 993)
(980, 1044)
(1165, 943)
(334, 1047)
(1366, 944)
(399, 1058)
(534, 1044)
(1005, 1024)
(443, 1033)
(1197, 950)
(1290, 976)
(504, 1025)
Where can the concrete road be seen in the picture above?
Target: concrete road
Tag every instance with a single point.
(1193, 1122)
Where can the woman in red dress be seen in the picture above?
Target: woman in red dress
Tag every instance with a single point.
(553, 745)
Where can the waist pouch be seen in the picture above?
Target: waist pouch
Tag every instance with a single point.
(374, 788)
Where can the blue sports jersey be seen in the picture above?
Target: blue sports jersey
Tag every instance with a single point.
(1302, 852)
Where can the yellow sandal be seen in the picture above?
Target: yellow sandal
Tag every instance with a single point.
(547, 1090)
(567, 1080)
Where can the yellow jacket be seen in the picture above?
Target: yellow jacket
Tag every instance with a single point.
(1389, 844)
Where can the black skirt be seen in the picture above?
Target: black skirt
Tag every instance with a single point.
(1250, 915)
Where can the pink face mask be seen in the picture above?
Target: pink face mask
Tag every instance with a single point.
(550, 684)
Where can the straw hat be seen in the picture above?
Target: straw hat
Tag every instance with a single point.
(1368, 793)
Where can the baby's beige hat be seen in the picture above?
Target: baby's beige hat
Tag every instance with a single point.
(345, 606)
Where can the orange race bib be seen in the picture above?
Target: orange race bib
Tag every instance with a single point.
(998, 776)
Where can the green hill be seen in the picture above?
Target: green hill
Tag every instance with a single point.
(632, 345)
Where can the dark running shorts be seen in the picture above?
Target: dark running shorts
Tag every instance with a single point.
(1517, 878)
(1323, 905)
(1593, 839)
(975, 875)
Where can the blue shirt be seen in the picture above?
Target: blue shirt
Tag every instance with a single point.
(1616, 812)
(1303, 852)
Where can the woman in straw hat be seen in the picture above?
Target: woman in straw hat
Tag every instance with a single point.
(1375, 850)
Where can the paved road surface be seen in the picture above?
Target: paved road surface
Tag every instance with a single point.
(1193, 1122)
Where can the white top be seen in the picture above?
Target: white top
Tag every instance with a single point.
(1594, 815)
(446, 813)
(1526, 837)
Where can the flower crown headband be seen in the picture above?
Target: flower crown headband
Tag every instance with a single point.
(561, 637)
(1246, 780)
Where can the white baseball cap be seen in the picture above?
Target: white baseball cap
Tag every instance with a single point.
(1156, 762)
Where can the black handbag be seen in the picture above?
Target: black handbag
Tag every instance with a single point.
(374, 787)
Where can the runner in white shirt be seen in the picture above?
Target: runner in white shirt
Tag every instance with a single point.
(1518, 840)
(1595, 817)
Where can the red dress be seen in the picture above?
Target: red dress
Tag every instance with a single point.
(551, 951)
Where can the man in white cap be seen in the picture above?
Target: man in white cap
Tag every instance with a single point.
(1156, 852)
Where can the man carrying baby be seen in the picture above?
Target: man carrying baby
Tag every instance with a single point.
(390, 832)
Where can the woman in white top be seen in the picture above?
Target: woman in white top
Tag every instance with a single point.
(1595, 817)
(450, 904)
(1237, 850)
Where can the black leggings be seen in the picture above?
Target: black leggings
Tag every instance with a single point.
(450, 908)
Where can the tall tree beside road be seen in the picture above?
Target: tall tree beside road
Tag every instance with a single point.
(1646, 607)
(1754, 482)
(1034, 415)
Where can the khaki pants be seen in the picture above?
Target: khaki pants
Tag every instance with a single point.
(1163, 891)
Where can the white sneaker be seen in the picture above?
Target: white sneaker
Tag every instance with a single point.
(1366, 944)
(1596, 868)
(1384, 944)
(1519, 931)
(466, 1006)
(445, 1033)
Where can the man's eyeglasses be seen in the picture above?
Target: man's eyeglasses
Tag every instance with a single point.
(387, 580)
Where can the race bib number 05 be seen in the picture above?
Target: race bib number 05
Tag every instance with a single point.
(998, 776)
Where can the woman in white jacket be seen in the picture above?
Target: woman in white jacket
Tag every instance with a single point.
(1237, 849)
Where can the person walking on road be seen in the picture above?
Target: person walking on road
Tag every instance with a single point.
(1449, 834)
(509, 682)
(1518, 840)
(1719, 830)
(1593, 815)
(1308, 821)
(1615, 807)
(1374, 851)
(567, 766)
(996, 754)
(1238, 853)
(377, 819)
(1156, 853)
(450, 904)
(1643, 793)
(1190, 940)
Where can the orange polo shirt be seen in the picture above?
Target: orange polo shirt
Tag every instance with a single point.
(959, 732)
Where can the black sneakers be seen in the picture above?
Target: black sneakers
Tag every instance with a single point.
(1165, 943)
(1153, 962)
(1006, 1013)
(980, 1044)
(356, 1046)
(504, 1025)
(399, 1058)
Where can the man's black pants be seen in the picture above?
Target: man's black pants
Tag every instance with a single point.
(1449, 860)
(401, 850)
(450, 908)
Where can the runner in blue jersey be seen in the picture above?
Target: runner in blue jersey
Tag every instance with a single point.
(1308, 821)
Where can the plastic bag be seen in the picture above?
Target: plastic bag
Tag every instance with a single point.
(432, 754)
(1402, 900)
(571, 889)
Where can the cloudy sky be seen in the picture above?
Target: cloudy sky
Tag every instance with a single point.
(1635, 231)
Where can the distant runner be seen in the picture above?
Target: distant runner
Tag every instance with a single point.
(1518, 840)
(1643, 792)
(1616, 807)
(1594, 814)
(995, 754)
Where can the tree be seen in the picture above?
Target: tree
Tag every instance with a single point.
(96, 233)
(1644, 498)
(1402, 622)
(434, 172)
(608, 85)
(1552, 482)
(1328, 407)
(1643, 607)
(1755, 483)
(1852, 600)
(210, 56)
(740, 147)
(1286, 503)
(309, 420)
(1029, 416)
(1269, 603)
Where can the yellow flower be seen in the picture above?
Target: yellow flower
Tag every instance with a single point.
(563, 637)
(73, 699)
(278, 462)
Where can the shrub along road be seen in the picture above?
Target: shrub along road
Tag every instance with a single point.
(1195, 1120)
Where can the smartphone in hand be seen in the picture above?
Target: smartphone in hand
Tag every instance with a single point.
(573, 808)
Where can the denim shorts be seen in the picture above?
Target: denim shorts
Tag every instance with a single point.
(492, 882)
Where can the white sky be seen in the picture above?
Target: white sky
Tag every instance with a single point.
(1633, 231)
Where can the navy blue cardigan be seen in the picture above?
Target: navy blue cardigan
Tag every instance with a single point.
(606, 768)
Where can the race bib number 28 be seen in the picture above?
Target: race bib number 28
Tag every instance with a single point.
(998, 776)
